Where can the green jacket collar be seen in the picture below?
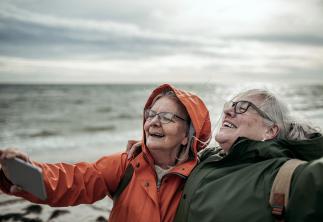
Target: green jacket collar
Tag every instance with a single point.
(308, 150)
(249, 150)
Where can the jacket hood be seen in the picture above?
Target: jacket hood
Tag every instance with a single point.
(308, 150)
(197, 111)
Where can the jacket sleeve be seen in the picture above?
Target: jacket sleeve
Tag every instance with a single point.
(306, 196)
(80, 183)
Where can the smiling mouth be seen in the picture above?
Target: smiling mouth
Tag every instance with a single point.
(227, 124)
(157, 135)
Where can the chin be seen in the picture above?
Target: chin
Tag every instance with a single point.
(224, 144)
(226, 148)
(152, 146)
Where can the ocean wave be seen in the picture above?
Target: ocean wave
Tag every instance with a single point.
(104, 109)
(43, 133)
(98, 128)
(79, 101)
(4, 105)
(127, 116)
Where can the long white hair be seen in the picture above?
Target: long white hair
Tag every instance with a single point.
(290, 127)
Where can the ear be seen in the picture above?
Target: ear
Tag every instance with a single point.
(272, 132)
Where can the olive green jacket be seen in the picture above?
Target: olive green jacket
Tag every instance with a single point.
(236, 187)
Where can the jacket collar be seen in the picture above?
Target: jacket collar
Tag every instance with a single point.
(308, 150)
(246, 149)
(183, 169)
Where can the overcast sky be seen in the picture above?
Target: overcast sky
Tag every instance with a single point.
(102, 41)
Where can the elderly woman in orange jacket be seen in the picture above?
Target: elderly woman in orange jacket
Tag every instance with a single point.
(176, 126)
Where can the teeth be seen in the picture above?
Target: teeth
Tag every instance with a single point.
(157, 134)
(230, 125)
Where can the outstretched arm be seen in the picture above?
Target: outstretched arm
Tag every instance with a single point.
(72, 184)
(306, 197)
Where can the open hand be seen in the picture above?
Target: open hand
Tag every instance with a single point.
(133, 147)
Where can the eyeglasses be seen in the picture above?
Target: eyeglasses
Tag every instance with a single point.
(163, 117)
(242, 106)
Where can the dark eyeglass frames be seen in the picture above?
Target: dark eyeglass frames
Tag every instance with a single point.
(163, 117)
(242, 106)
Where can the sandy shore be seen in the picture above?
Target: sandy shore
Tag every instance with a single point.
(17, 209)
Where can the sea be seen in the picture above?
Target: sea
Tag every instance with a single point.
(70, 123)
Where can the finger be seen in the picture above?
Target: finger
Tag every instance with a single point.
(15, 189)
(130, 144)
(22, 156)
(130, 154)
(135, 147)
(1, 154)
(11, 153)
(8, 153)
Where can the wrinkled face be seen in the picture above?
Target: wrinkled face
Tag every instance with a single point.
(170, 136)
(249, 124)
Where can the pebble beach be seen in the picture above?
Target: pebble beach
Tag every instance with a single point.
(17, 209)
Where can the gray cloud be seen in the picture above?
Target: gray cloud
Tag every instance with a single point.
(30, 34)
(61, 36)
(159, 35)
(299, 39)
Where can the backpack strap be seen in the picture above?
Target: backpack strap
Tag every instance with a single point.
(123, 182)
(279, 194)
(126, 176)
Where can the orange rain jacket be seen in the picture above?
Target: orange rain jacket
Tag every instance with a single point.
(85, 183)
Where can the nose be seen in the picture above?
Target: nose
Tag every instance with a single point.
(229, 111)
(155, 120)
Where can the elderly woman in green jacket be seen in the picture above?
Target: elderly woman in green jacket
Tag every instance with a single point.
(233, 182)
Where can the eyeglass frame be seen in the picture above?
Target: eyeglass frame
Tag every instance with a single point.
(147, 117)
(250, 104)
